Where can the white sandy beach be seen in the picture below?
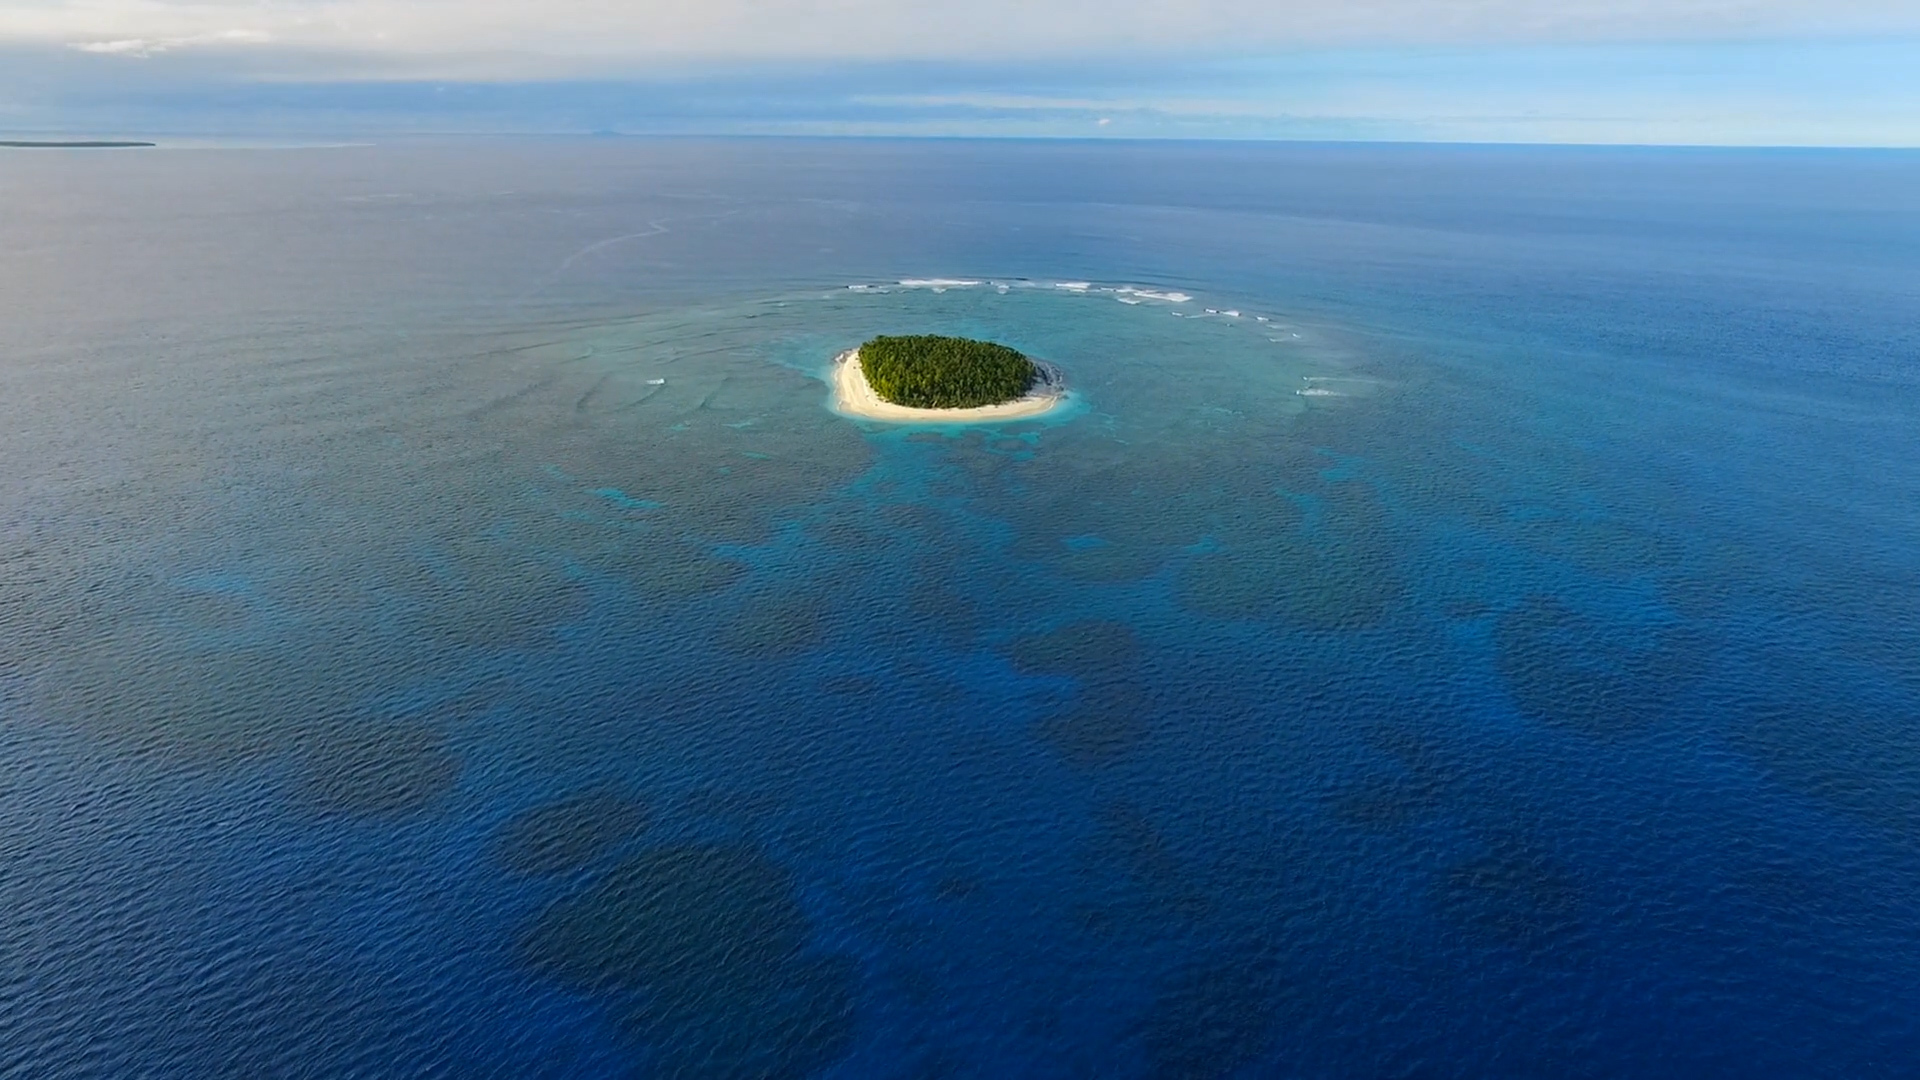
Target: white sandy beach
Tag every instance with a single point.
(852, 396)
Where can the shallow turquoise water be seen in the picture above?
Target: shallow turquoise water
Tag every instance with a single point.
(445, 631)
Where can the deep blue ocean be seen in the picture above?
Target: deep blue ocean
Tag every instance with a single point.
(1466, 622)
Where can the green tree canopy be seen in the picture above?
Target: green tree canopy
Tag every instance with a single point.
(926, 371)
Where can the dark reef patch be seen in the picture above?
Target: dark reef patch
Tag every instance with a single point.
(1597, 546)
(1385, 804)
(856, 686)
(1110, 563)
(848, 530)
(158, 674)
(1108, 714)
(1210, 1020)
(1566, 668)
(1292, 581)
(1131, 840)
(568, 835)
(954, 617)
(956, 887)
(702, 949)
(1325, 559)
(1092, 520)
(777, 626)
(1415, 786)
(1860, 756)
(480, 593)
(1103, 722)
(378, 767)
(1143, 847)
(677, 571)
(794, 1023)
(1512, 896)
(1081, 649)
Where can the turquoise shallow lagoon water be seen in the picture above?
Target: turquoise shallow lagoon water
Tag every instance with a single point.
(445, 632)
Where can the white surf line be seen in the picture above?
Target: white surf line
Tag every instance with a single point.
(654, 228)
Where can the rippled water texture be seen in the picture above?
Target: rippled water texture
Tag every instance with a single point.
(1462, 624)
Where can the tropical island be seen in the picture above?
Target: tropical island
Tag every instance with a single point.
(926, 377)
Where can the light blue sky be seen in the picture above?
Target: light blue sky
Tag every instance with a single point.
(1741, 72)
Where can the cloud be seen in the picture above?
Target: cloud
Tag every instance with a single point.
(511, 38)
(1046, 68)
(123, 47)
(145, 47)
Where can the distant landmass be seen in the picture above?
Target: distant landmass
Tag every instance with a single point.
(82, 144)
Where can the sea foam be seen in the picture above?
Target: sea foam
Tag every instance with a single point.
(1153, 294)
(938, 284)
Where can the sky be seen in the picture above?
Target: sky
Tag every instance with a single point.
(1738, 72)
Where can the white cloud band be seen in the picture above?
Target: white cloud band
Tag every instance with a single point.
(607, 36)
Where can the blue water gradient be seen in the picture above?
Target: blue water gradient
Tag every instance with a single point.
(445, 631)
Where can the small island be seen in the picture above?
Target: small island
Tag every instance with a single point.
(926, 377)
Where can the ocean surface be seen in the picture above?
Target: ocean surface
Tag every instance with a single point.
(1466, 622)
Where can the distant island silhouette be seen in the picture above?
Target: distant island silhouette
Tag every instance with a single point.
(78, 144)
